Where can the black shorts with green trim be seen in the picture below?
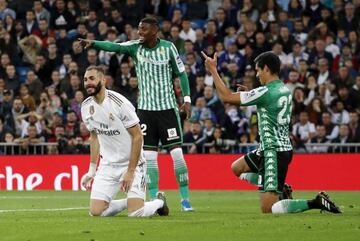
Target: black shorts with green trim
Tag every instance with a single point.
(163, 126)
(272, 167)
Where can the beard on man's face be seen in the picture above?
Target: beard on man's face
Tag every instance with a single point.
(96, 88)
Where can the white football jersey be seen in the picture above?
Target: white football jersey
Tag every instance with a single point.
(110, 121)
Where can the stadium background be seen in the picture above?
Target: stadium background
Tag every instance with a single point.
(42, 65)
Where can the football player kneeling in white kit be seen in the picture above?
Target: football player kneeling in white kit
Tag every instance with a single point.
(116, 139)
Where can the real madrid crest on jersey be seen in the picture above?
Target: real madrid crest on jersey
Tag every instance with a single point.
(92, 110)
(111, 117)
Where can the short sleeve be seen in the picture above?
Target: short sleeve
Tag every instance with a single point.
(253, 97)
(85, 117)
(176, 62)
(128, 115)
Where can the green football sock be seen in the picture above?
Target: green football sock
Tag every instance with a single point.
(250, 177)
(290, 206)
(152, 174)
(181, 172)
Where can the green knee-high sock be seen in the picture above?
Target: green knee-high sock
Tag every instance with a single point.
(181, 172)
(250, 177)
(152, 176)
(290, 206)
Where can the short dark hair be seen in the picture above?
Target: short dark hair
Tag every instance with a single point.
(150, 20)
(99, 69)
(269, 59)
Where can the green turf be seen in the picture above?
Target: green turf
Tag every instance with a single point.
(220, 215)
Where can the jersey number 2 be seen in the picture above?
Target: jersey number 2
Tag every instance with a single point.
(143, 129)
(283, 103)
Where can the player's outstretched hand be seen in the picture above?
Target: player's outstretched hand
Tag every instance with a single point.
(127, 181)
(210, 63)
(86, 181)
(85, 43)
(186, 107)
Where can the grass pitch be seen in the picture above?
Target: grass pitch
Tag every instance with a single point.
(220, 215)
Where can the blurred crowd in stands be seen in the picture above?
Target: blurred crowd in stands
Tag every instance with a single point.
(317, 41)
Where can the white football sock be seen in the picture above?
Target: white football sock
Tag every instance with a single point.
(148, 210)
(115, 207)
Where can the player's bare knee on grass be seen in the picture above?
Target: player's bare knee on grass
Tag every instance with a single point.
(97, 207)
(267, 200)
(239, 166)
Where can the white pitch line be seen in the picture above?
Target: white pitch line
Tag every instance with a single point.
(41, 210)
(40, 197)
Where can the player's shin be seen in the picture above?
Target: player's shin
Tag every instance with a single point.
(290, 206)
(152, 173)
(250, 177)
(181, 172)
(115, 206)
(148, 210)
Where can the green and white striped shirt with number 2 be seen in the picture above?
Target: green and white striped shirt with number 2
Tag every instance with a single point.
(154, 69)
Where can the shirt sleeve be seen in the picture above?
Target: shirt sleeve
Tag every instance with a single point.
(176, 62)
(128, 115)
(85, 118)
(253, 97)
(128, 47)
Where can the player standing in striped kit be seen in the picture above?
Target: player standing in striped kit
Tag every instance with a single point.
(156, 61)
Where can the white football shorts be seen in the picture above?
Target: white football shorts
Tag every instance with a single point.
(108, 178)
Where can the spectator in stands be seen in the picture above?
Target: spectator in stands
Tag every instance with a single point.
(355, 92)
(349, 22)
(194, 136)
(343, 138)
(28, 100)
(30, 46)
(318, 53)
(332, 130)
(293, 81)
(187, 33)
(72, 124)
(213, 103)
(200, 43)
(4, 10)
(34, 84)
(339, 114)
(45, 109)
(25, 120)
(354, 127)
(11, 79)
(6, 109)
(176, 39)
(315, 110)
(231, 55)
(27, 141)
(41, 13)
(320, 138)
(75, 103)
(61, 18)
(303, 131)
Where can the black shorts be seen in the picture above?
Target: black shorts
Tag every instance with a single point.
(163, 126)
(272, 167)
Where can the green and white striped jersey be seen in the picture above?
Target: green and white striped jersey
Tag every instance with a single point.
(274, 105)
(154, 70)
